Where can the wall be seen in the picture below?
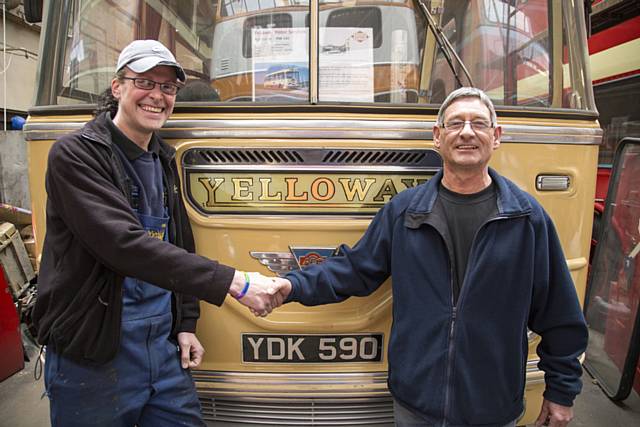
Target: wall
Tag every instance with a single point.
(22, 46)
(21, 61)
(14, 179)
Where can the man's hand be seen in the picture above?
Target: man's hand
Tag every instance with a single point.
(191, 351)
(279, 292)
(554, 415)
(262, 295)
(284, 287)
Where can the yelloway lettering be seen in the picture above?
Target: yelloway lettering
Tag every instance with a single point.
(265, 191)
(388, 189)
(280, 190)
(320, 186)
(291, 191)
(211, 185)
(241, 189)
(353, 187)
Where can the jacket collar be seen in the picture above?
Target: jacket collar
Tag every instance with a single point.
(97, 130)
(512, 201)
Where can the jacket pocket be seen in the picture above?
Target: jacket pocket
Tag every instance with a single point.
(88, 331)
(496, 397)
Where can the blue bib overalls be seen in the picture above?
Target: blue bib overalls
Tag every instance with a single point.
(145, 384)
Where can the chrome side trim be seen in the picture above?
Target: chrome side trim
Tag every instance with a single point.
(290, 385)
(315, 168)
(551, 135)
(533, 374)
(253, 378)
(329, 129)
(209, 379)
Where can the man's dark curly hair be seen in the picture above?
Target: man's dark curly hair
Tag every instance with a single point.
(106, 100)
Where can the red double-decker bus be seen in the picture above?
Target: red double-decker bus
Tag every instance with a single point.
(615, 70)
(613, 294)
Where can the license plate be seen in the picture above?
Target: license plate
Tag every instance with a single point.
(311, 348)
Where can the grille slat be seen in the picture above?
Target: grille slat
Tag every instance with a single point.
(201, 156)
(357, 157)
(297, 157)
(417, 158)
(341, 158)
(404, 158)
(226, 156)
(375, 157)
(235, 155)
(268, 155)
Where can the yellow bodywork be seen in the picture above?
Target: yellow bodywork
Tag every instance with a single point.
(231, 237)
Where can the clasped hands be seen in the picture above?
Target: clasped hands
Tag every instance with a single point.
(261, 294)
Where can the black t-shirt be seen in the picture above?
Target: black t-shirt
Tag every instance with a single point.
(464, 215)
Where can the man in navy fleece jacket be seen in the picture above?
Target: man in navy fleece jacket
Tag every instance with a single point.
(475, 262)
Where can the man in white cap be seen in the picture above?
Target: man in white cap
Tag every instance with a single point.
(119, 282)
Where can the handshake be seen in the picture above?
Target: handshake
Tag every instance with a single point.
(260, 293)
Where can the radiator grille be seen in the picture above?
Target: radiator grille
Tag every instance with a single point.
(367, 157)
(238, 156)
(298, 412)
(311, 157)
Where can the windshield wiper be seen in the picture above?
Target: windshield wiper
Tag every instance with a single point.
(445, 46)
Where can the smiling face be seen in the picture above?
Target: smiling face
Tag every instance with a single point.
(466, 149)
(141, 112)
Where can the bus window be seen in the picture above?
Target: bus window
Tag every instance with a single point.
(99, 30)
(505, 47)
(366, 51)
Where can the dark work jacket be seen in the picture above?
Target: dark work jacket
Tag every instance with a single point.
(94, 239)
(463, 363)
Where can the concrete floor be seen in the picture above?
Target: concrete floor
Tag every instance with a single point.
(21, 404)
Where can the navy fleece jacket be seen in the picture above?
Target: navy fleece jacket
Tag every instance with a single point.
(464, 363)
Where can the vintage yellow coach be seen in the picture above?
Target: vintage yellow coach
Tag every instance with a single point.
(277, 172)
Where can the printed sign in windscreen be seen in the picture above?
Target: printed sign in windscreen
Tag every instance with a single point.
(280, 64)
(346, 64)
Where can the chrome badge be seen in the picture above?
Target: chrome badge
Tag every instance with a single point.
(298, 257)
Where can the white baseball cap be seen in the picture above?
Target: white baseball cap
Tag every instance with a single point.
(142, 55)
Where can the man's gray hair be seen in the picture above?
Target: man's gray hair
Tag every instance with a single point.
(467, 92)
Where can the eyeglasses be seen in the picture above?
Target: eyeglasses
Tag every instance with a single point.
(476, 125)
(146, 84)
